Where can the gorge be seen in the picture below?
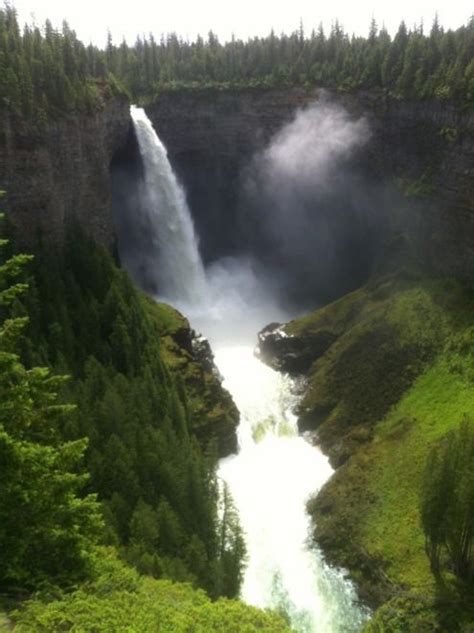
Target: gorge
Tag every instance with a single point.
(282, 572)
(410, 196)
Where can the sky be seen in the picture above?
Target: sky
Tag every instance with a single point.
(245, 18)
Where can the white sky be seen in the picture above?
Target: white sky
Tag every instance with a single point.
(92, 18)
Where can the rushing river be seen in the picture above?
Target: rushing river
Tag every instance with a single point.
(274, 473)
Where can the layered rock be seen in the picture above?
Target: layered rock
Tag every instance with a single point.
(62, 173)
(211, 138)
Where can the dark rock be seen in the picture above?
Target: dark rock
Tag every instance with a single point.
(202, 354)
(291, 354)
(423, 148)
(62, 174)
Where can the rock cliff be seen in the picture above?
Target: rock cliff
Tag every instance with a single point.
(62, 172)
(422, 150)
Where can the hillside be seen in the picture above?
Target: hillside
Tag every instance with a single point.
(389, 374)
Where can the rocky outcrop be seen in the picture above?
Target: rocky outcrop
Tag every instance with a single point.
(188, 355)
(62, 173)
(289, 353)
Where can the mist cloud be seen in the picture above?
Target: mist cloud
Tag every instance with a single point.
(308, 208)
(307, 150)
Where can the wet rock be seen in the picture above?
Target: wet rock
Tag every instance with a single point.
(202, 354)
(288, 353)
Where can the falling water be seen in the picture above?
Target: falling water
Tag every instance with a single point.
(276, 470)
(177, 270)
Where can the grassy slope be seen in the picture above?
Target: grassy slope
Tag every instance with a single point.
(397, 379)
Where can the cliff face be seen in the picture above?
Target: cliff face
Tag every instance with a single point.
(211, 138)
(425, 149)
(63, 172)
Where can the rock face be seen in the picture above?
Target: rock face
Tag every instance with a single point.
(426, 149)
(211, 138)
(63, 173)
(289, 353)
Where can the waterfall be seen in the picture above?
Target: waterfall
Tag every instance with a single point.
(175, 264)
(276, 469)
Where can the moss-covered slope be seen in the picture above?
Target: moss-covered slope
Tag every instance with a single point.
(188, 356)
(398, 376)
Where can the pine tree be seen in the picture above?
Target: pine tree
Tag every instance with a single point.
(47, 531)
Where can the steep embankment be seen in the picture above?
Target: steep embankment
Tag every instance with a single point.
(59, 171)
(190, 357)
(424, 149)
(389, 373)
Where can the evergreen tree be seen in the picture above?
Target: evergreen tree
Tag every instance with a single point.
(447, 502)
(47, 531)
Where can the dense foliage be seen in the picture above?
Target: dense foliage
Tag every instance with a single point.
(157, 486)
(412, 64)
(118, 599)
(46, 529)
(447, 502)
(44, 71)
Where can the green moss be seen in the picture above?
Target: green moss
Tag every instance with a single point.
(167, 319)
(213, 412)
(384, 336)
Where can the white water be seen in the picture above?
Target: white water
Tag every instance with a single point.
(178, 269)
(271, 479)
(276, 470)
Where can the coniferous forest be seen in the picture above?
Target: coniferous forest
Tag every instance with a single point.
(43, 70)
(112, 516)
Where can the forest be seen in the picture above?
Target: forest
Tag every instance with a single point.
(43, 70)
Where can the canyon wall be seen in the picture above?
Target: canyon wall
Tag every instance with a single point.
(62, 172)
(423, 152)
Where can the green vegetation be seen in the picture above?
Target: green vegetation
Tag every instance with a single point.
(211, 406)
(412, 65)
(396, 381)
(152, 490)
(46, 529)
(118, 599)
(157, 485)
(447, 504)
(44, 72)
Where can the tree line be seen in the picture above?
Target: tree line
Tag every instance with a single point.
(44, 71)
(413, 64)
